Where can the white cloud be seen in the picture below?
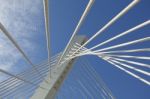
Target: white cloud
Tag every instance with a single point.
(20, 17)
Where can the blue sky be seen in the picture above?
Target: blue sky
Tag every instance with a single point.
(25, 21)
(65, 15)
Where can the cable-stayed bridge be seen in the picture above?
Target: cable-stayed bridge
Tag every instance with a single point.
(49, 79)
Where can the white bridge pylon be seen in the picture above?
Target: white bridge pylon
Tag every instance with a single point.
(58, 75)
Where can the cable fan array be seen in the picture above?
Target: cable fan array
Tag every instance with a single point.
(119, 58)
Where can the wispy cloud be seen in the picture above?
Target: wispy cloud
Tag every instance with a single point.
(21, 18)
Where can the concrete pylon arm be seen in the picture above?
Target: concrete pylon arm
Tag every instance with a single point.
(58, 76)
